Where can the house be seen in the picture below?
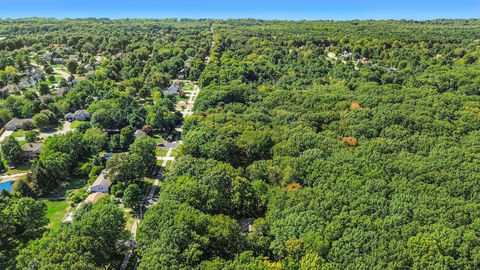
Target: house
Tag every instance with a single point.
(32, 150)
(347, 55)
(107, 156)
(246, 225)
(94, 197)
(101, 184)
(174, 89)
(58, 61)
(47, 56)
(32, 78)
(80, 115)
(10, 89)
(139, 133)
(16, 123)
(62, 91)
(46, 98)
(390, 69)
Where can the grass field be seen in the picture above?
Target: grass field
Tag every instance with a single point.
(21, 168)
(19, 133)
(56, 211)
(174, 152)
(128, 217)
(75, 124)
(161, 151)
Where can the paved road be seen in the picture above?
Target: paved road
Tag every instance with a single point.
(149, 198)
(193, 96)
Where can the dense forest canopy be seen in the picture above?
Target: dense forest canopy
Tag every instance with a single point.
(344, 145)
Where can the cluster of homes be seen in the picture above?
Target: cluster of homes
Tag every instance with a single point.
(97, 190)
(362, 60)
(101, 186)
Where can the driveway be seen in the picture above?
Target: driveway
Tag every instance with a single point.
(43, 135)
(5, 135)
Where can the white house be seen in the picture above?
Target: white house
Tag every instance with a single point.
(101, 184)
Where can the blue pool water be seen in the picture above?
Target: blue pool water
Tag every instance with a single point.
(7, 185)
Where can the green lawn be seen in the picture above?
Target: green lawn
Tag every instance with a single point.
(158, 139)
(161, 151)
(21, 168)
(69, 186)
(169, 165)
(175, 152)
(128, 216)
(19, 133)
(56, 211)
(75, 124)
(187, 86)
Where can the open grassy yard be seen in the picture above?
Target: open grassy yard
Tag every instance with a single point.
(75, 124)
(175, 152)
(19, 169)
(128, 217)
(161, 151)
(20, 133)
(56, 211)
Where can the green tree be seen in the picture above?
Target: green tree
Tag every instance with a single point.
(11, 151)
(125, 167)
(145, 148)
(133, 197)
(85, 244)
(31, 136)
(95, 139)
(127, 136)
(41, 121)
(43, 88)
(72, 66)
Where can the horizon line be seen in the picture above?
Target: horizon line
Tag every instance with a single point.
(235, 18)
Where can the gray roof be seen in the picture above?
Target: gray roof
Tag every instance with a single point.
(11, 88)
(139, 133)
(102, 181)
(18, 122)
(31, 147)
(62, 91)
(173, 89)
(79, 112)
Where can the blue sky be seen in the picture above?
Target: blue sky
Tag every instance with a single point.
(264, 9)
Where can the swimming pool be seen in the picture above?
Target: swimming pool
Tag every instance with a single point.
(7, 185)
